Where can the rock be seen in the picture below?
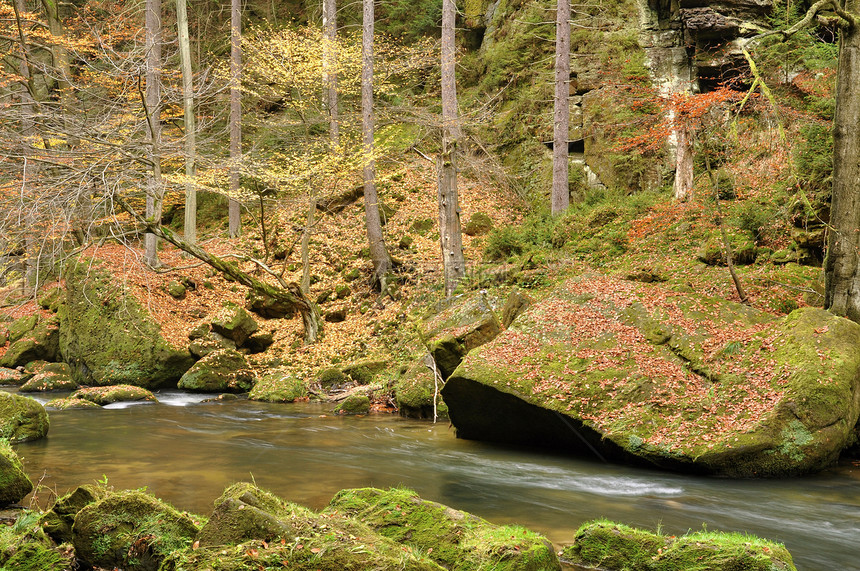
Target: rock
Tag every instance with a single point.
(459, 325)
(350, 275)
(14, 483)
(330, 378)
(353, 404)
(117, 393)
(176, 290)
(259, 342)
(478, 225)
(220, 371)
(342, 291)
(711, 253)
(11, 376)
(20, 327)
(130, 530)
(39, 343)
(22, 419)
(200, 331)
(50, 377)
(201, 347)
(52, 299)
(108, 338)
(57, 522)
(423, 226)
(278, 386)
(611, 545)
(324, 296)
(416, 389)
(516, 303)
(638, 373)
(268, 307)
(70, 403)
(336, 315)
(252, 529)
(452, 538)
(234, 323)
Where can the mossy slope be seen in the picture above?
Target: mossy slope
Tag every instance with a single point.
(640, 373)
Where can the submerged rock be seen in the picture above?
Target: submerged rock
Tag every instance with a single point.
(14, 483)
(638, 373)
(21, 418)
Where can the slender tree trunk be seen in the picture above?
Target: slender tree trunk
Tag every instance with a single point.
(683, 185)
(330, 67)
(306, 244)
(842, 265)
(190, 228)
(454, 265)
(153, 118)
(561, 120)
(234, 213)
(378, 251)
(58, 51)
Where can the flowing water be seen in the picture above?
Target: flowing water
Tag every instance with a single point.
(186, 452)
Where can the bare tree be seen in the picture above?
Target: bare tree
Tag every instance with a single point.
(378, 251)
(234, 212)
(453, 262)
(330, 67)
(561, 120)
(190, 120)
(152, 104)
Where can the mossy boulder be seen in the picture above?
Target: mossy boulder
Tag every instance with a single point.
(638, 373)
(235, 323)
(22, 419)
(41, 342)
(353, 404)
(252, 529)
(22, 326)
(268, 307)
(70, 403)
(259, 342)
(118, 393)
(14, 483)
(454, 539)
(24, 546)
(52, 299)
(109, 339)
(50, 377)
(478, 225)
(219, 372)
(612, 546)
(57, 521)
(211, 342)
(278, 386)
(130, 530)
(11, 376)
(456, 326)
(330, 378)
(416, 391)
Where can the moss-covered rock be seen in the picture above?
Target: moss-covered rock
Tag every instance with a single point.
(50, 377)
(11, 376)
(108, 338)
(638, 373)
(210, 343)
(330, 378)
(252, 529)
(24, 546)
(22, 326)
(478, 225)
(39, 342)
(118, 393)
(69, 403)
(14, 483)
(259, 342)
(130, 530)
(218, 372)
(21, 418)
(613, 546)
(278, 386)
(416, 391)
(353, 404)
(454, 539)
(57, 521)
(234, 323)
(52, 299)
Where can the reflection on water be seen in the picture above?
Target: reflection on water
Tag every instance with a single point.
(186, 452)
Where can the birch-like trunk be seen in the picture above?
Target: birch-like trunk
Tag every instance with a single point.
(561, 116)
(190, 228)
(453, 262)
(683, 186)
(153, 120)
(234, 212)
(330, 67)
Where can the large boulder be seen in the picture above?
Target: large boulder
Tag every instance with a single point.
(416, 391)
(234, 323)
(454, 539)
(49, 377)
(638, 373)
(130, 530)
(57, 521)
(109, 339)
(103, 396)
(21, 418)
(14, 483)
(37, 339)
(220, 371)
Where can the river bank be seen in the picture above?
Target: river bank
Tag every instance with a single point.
(186, 452)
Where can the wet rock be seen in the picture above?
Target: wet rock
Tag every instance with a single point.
(70, 403)
(224, 370)
(417, 389)
(22, 419)
(278, 386)
(11, 376)
(353, 404)
(14, 483)
(116, 393)
(50, 377)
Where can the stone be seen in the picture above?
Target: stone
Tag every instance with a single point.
(640, 374)
(52, 298)
(116, 393)
(478, 225)
(50, 377)
(234, 323)
(516, 303)
(268, 307)
(22, 419)
(38, 343)
(278, 386)
(259, 342)
(14, 483)
(209, 344)
(416, 391)
(221, 371)
(353, 404)
(57, 522)
(336, 315)
(11, 376)
(176, 290)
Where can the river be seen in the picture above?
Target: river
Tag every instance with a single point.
(186, 452)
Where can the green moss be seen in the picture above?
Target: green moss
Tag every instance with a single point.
(24, 547)
(118, 393)
(330, 377)
(14, 482)
(354, 404)
(279, 387)
(21, 418)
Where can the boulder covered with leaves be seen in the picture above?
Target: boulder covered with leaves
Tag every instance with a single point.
(639, 373)
(21, 418)
(108, 338)
(103, 396)
(32, 338)
(49, 377)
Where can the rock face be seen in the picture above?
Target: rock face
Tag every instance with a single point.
(637, 373)
(14, 483)
(21, 418)
(107, 337)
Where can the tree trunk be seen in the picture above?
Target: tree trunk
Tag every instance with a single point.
(561, 121)
(190, 228)
(234, 213)
(453, 263)
(306, 245)
(153, 119)
(330, 67)
(378, 251)
(683, 186)
(842, 265)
